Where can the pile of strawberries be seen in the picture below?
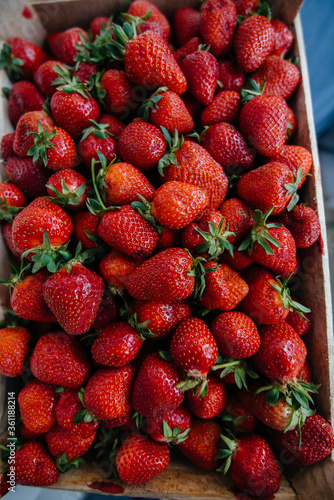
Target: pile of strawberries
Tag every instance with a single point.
(153, 217)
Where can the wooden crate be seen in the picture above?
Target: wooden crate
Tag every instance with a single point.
(181, 480)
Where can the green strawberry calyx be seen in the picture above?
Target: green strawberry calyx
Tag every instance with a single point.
(96, 51)
(173, 145)
(240, 368)
(226, 449)
(260, 233)
(98, 129)
(17, 275)
(66, 196)
(198, 383)
(47, 255)
(42, 143)
(64, 465)
(122, 35)
(215, 240)
(13, 65)
(252, 89)
(96, 205)
(70, 84)
(292, 187)
(8, 212)
(288, 302)
(151, 103)
(174, 436)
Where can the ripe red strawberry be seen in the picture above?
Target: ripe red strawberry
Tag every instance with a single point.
(7, 230)
(211, 403)
(6, 145)
(74, 297)
(12, 200)
(115, 125)
(238, 217)
(155, 390)
(218, 24)
(157, 21)
(66, 410)
(23, 97)
(69, 188)
(196, 166)
(27, 298)
(224, 288)
(315, 443)
(244, 7)
(40, 216)
(141, 144)
(254, 41)
(116, 345)
(300, 325)
(178, 425)
(163, 317)
(186, 24)
(37, 402)
(97, 138)
(85, 224)
(253, 466)
(35, 466)
(59, 359)
(201, 444)
(236, 409)
(225, 107)
(304, 225)
(295, 157)
(139, 459)
(239, 261)
(14, 350)
(163, 277)
(45, 76)
(167, 109)
(97, 23)
(116, 266)
(283, 38)
(191, 46)
(61, 440)
(236, 334)
(28, 175)
(123, 183)
(85, 71)
(228, 147)
(201, 71)
(29, 122)
(65, 46)
(230, 75)
(119, 96)
(108, 392)
(277, 76)
(21, 58)
(127, 231)
(264, 120)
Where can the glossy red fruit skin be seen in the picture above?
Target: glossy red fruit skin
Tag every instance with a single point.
(283, 38)
(282, 352)
(188, 48)
(61, 440)
(140, 459)
(85, 71)
(238, 217)
(124, 184)
(201, 71)
(157, 21)
(163, 277)
(230, 75)
(201, 444)
(66, 409)
(6, 145)
(254, 468)
(64, 155)
(31, 55)
(210, 405)
(28, 122)
(171, 113)
(155, 392)
(13, 195)
(163, 316)
(108, 392)
(225, 107)
(180, 417)
(23, 97)
(39, 395)
(304, 225)
(186, 24)
(299, 324)
(120, 93)
(45, 75)
(295, 157)
(88, 149)
(85, 221)
(59, 359)
(65, 48)
(35, 466)
(280, 76)
(14, 350)
(116, 266)
(236, 409)
(73, 181)
(115, 125)
(218, 23)
(96, 24)
(236, 334)
(28, 175)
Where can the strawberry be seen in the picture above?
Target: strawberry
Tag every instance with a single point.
(107, 312)
(21, 58)
(41, 216)
(23, 97)
(155, 389)
(156, 21)
(186, 24)
(126, 230)
(315, 442)
(72, 367)
(264, 120)
(163, 317)
(61, 440)
(27, 298)
(14, 350)
(6, 145)
(96, 137)
(85, 70)
(108, 392)
(69, 188)
(168, 238)
(230, 75)
(228, 147)
(225, 107)
(119, 98)
(172, 427)
(67, 407)
(244, 7)
(85, 229)
(45, 76)
(116, 345)
(193, 45)
(140, 459)
(252, 465)
(304, 225)
(191, 163)
(12, 200)
(273, 359)
(115, 125)
(224, 288)
(277, 76)
(176, 204)
(74, 297)
(239, 261)
(295, 157)
(34, 465)
(201, 444)
(253, 42)
(142, 144)
(124, 183)
(28, 175)
(66, 44)
(283, 38)
(163, 277)
(201, 71)
(300, 324)
(236, 334)
(116, 266)
(29, 122)
(218, 24)
(238, 217)
(242, 418)
(97, 23)
(37, 402)
(210, 404)
(7, 230)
